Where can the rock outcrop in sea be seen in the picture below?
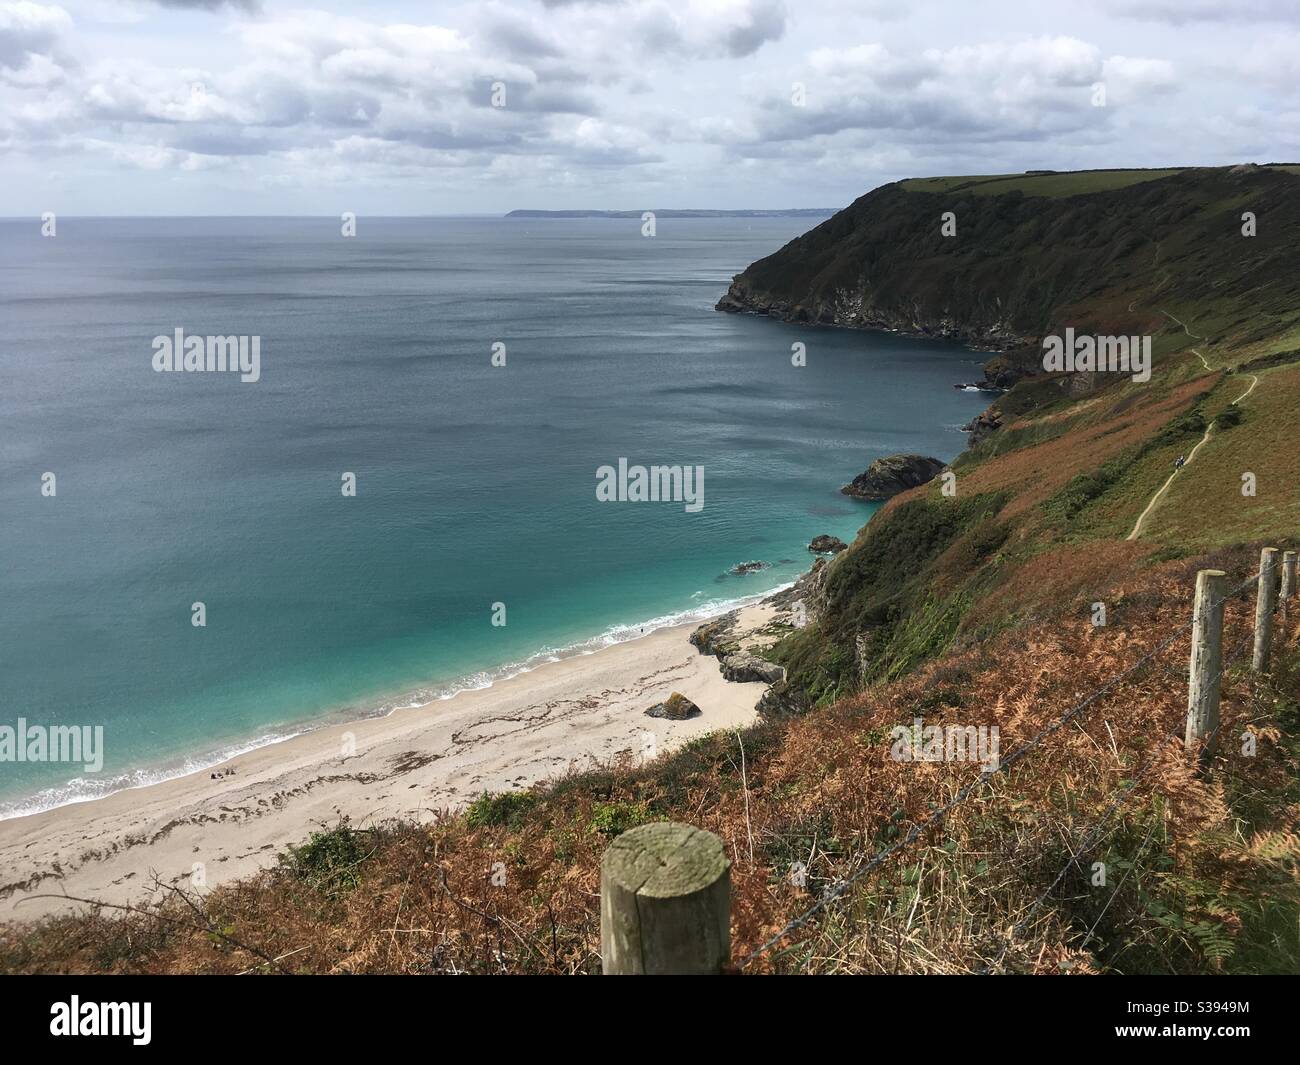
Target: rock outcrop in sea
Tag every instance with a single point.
(983, 425)
(888, 476)
(825, 544)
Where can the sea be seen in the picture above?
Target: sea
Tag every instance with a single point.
(472, 375)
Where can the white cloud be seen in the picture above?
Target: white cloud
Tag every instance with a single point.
(689, 96)
(29, 31)
(1127, 79)
(996, 91)
(1184, 12)
(596, 142)
(153, 157)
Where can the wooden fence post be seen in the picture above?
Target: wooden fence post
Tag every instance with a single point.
(1207, 660)
(665, 902)
(1288, 578)
(1265, 603)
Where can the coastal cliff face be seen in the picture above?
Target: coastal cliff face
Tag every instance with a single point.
(1059, 457)
(873, 266)
(1019, 265)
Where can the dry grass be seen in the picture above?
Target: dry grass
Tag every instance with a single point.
(1060, 581)
(1037, 471)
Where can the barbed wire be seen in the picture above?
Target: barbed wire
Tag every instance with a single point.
(1184, 673)
(940, 814)
(1090, 841)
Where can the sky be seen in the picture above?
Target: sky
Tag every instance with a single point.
(247, 107)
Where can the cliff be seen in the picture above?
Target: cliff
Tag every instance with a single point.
(1024, 260)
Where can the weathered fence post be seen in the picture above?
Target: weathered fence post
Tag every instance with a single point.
(665, 902)
(1207, 660)
(1288, 577)
(1265, 602)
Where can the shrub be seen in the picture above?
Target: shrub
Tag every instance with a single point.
(506, 809)
(1228, 418)
(1190, 424)
(614, 818)
(329, 861)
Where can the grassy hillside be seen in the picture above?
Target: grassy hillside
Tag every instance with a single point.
(975, 608)
(1033, 254)
(1041, 183)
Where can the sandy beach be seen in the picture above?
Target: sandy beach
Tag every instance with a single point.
(562, 716)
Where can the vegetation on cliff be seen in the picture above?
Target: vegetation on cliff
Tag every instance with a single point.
(977, 606)
(1025, 258)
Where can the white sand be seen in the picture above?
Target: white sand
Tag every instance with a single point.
(573, 714)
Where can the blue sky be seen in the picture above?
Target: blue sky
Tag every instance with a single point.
(210, 107)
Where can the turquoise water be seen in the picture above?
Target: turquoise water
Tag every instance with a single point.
(475, 483)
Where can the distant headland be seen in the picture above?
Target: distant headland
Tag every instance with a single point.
(793, 212)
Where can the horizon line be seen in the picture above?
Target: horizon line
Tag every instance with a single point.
(462, 214)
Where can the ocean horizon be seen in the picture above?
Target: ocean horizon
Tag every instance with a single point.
(475, 484)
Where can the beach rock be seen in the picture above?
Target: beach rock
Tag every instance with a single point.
(748, 567)
(675, 708)
(983, 425)
(826, 544)
(893, 474)
(1003, 371)
(716, 637)
(806, 595)
(782, 700)
(745, 666)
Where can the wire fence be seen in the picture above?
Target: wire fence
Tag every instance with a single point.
(941, 813)
(1093, 837)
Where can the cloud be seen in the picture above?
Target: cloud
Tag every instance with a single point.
(639, 97)
(613, 33)
(519, 37)
(1185, 12)
(599, 143)
(1273, 62)
(29, 31)
(1127, 79)
(405, 94)
(308, 79)
(752, 26)
(153, 157)
(1020, 90)
(211, 5)
(736, 28)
